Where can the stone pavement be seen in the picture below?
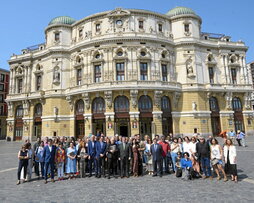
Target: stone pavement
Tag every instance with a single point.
(141, 189)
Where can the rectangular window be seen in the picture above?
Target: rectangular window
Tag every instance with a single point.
(97, 73)
(186, 28)
(80, 33)
(20, 85)
(57, 36)
(79, 76)
(141, 24)
(211, 75)
(233, 75)
(160, 27)
(2, 110)
(1, 87)
(120, 71)
(1, 98)
(38, 82)
(98, 27)
(164, 71)
(2, 78)
(143, 71)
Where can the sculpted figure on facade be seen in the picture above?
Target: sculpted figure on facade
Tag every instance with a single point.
(189, 68)
(134, 98)
(108, 98)
(26, 107)
(247, 100)
(228, 98)
(56, 75)
(86, 100)
(157, 98)
(176, 97)
(194, 106)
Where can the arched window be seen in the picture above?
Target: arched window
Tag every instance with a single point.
(98, 105)
(236, 104)
(121, 104)
(165, 104)
(145, 104)
(79, 108)
(19, 111)
(38, 110)
(213, 102)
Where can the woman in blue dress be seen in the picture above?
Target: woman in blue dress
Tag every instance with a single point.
(71, 166)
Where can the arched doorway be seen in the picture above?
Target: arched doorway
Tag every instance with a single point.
(238, 114)
(79, 119)
(98, 110)
(215, 116)
(37, 120)
(145, 107)
(167, 123)
(122, 116)
(19, 123)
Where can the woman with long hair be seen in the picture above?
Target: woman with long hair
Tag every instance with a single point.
(216, 159)
(230, 159)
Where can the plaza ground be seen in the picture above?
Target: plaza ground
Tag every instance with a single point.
(141, 189)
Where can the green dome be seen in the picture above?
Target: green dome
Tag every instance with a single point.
(62, 20)
(180, 11)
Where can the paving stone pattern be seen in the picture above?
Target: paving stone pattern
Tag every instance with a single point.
(141, 189)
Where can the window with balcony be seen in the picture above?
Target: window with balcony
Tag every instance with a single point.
(141, 24)
(119, 71)
(143, 71)
(97, 73)
(233, 75)
(20, 85)
(38, 82)
(211, 74)
(79, 76)
(98, 27)
(164, 71)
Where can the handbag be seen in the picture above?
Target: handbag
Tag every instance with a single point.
(179, 172)
(214, 161)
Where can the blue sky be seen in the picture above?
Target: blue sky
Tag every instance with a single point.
(23, 22)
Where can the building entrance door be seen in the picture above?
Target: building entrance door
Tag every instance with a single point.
(37, 129)
(215, 121)
(145, 127)
(99, 125)
(122, 126)
(80, 130)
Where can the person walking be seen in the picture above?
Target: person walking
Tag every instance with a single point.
(230, 159)
(216, 159)
(23, 162)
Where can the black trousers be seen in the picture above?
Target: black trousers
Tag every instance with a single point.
(82, 168)
(156, 164)
(91, 164)
(125, 166)
(239, 142)
(22, 164)
(103, 166)
(112, 166)
(37, 166)
(52, 170)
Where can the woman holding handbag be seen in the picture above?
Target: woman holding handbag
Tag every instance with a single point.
(216, 159)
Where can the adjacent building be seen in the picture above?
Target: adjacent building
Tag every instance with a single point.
(126, 72)
(4, 87)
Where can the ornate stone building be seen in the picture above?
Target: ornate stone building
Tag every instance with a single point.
(129, 71)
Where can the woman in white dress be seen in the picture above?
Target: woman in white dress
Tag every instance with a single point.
(216, 159)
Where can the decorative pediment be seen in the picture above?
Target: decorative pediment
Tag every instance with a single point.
(119, 12)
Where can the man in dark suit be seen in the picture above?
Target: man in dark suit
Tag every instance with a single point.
(100, 146)
(156, 151)
(91, 154)
(49, 159)
(124, 157)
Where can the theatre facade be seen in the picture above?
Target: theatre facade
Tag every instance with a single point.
(126, 72)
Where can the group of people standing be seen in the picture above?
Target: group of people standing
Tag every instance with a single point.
(119, 156)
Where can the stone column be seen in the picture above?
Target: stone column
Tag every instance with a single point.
(88, 123)
(157, 123)
(134, 123)
(227, 120)
(228, 78)
(110, 123)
